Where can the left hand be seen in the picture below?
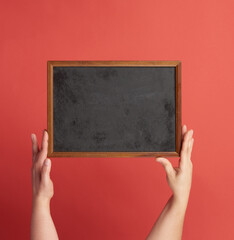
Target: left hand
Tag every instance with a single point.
(42, 185)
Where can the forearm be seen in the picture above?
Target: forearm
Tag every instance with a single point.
(42, 226)
(169, 224)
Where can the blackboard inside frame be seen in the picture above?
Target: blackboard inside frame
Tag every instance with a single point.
(114, 108)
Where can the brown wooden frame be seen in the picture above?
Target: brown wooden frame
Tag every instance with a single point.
(51, 64)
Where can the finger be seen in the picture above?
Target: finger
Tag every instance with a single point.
(184, 130)
(44, 147)
(190, 138)
(167, 166)
(45, 171)
(185, 147)
(190, 148)
(35, 147)
(44, 142)
(186, 138)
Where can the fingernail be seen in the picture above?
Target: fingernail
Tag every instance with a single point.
(32, 136)
(47, 162)
(158, 159)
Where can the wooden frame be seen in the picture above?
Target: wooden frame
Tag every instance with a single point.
(51, 64)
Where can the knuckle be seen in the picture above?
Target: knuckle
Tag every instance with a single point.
(169, 171)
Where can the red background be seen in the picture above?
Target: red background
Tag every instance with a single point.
(98, 198)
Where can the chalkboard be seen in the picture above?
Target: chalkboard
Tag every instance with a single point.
(114, 108)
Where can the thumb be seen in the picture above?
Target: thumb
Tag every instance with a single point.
(167, 166)
(45, 172)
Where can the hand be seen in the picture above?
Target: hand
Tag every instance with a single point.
(42, 225)
(180, 178)
(42, 185)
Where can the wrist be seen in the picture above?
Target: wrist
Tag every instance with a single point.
(41, 202)
(180, 203)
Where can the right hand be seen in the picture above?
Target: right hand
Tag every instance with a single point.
(180, 178)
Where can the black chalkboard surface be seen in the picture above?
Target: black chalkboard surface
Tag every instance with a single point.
(114, 108)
